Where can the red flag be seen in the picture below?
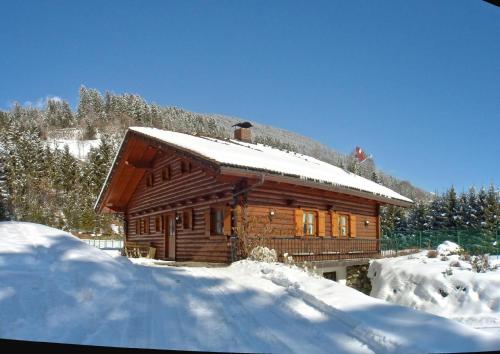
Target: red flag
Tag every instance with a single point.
(360, 154)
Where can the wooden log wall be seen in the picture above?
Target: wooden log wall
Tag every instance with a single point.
(284, 199)
(195, 190)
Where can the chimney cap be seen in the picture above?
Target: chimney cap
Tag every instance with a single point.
(243, 125)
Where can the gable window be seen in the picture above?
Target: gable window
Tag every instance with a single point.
(343, 225)
(165, 173)
(185, 166)
(216, 221)
(150, 180)
(309, 223)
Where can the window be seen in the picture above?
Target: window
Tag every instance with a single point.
(142, 223)
(187, 219)
(216, 221)
(343, 225)
(145, 225)
(150, 180)
(185, 166)
(158, 223)
(165, 173)
(309, 223)
(330, 275)
(137, 227)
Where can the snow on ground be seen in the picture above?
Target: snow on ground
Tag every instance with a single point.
(77, 148)
(443, 286)
(53, 287)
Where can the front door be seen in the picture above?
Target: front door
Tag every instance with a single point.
(171, 234)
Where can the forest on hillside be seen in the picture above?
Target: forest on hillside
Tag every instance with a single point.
(49, 185)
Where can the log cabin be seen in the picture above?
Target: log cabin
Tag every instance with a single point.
(197, 198)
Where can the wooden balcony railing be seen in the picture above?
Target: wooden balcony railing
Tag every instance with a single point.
(322, 249)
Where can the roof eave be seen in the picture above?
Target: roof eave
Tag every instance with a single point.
(269, 176)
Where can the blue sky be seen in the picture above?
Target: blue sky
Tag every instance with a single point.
(416, 83)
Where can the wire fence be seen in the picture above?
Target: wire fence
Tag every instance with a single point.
(105, 244)
(473, 241)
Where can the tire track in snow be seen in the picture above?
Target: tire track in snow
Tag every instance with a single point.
(231, 319)
(314, 333)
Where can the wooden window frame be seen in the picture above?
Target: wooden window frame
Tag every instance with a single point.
(166, 173)
(185, 167)
(158, 224)
(213, 229)
(187, 219)
(348, 227)
(306, 224)
(147, 226)
(150, 179)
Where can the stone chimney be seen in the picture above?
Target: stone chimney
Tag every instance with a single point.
(243, 134)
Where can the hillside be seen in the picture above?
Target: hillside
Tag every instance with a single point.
(53, 160)
(54, 287)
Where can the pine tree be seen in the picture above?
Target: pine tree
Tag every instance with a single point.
(491, 210)
(437, 210)
(472, 209)
(451, 208)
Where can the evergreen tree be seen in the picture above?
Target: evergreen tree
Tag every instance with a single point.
(437, 210)
(472, 210)
(374, 177)
(491, 210)
(451, 208)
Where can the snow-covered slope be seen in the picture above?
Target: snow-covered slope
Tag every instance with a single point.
(447, 288)
(54, 287)
(77, 148)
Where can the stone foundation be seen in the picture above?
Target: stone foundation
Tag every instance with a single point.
(357, 278)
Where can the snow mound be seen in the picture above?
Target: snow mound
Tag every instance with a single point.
(447, 248)
(55, 288)
(446, 287)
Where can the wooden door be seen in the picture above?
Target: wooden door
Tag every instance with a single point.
(169, 235)
(172, 234)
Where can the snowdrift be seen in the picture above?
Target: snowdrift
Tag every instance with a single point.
(53, 287)
(445, 286)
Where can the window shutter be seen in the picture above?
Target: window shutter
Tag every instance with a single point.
(335, 224)
(352, 225)
(207, 222)
(299, 226)
(321, 223)
(227, 221)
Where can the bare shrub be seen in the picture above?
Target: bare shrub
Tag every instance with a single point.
(480, 264)
(432, 254)
(263, 254)
(252, 232)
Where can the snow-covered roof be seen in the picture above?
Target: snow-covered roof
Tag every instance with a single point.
(238, 154)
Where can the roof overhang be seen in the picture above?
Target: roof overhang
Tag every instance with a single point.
(138, 151)
(134, 157)
(252, 173)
